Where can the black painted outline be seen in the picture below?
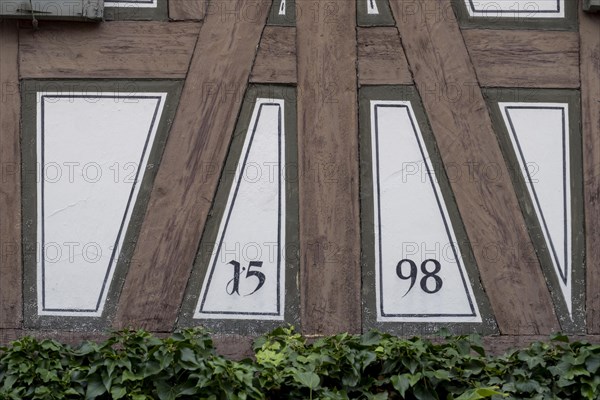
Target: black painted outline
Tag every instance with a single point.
(130, 2)
(563, 274)
(437, 197)
(231, 206)
(515, 12)
(111, 264)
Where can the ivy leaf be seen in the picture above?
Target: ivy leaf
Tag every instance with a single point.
(164, 390)
(444, 333)
(480, 393)
(308, 379)
(576, 371)
(559, 337)
(592, 363)
(44, 374)
(588, 392)
(378, 396)
(411, 365)
(118, 392)
(424, 392)
(188, 356)
(87, 348)
(187, 388)
(110, 366)
(42, 392)
(106, 380)
(370, 338)
(95, 387)
(402, 383)
(9, 382)
(129, 376)
(140, 397)
(528, 386)
(442, 374)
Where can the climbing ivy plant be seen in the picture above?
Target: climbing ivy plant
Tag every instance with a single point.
(136, 365)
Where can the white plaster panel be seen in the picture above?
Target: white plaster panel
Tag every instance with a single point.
(539, 133)
(93, 151)
(372, 7)
(412, 223)
(282, 7)
(516, 8)
(252, 229)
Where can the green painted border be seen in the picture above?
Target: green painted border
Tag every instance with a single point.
(289, 19)
(569, 22)
(292, 299)
(591, 8)
(159, 13)
(488, 324)
(572, 97)
(70, 10)
(385, 17)
(29, 89)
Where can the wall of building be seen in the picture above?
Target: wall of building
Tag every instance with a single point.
(337, 165)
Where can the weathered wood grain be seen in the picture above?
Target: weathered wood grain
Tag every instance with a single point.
(509, 268)
(183, 190)
(187, 10)
(328, 165)
(381, 59)
(276, 58)
(531, 59)
(11, 274)
(590, 106)
(118, 49)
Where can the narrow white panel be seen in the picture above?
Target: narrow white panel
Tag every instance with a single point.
(132, 3)
(93, 151)
(372, 7)
(539, 133)
(420, 273)
(516, 8)
(282, 8)
(246, 274)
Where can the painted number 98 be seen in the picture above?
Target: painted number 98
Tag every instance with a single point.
(409, 266)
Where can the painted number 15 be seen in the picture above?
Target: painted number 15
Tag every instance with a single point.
(428, 276)
(233, 286)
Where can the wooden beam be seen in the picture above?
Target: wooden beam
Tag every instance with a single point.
(328, 162)
(381, 59)
(590, 106)
(276, 58)
(509, 268)
(183, 190)
(11, 274)
(187, 10)
(118, 49)
(530, 59)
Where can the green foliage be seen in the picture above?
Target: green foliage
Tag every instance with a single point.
(136, 365)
